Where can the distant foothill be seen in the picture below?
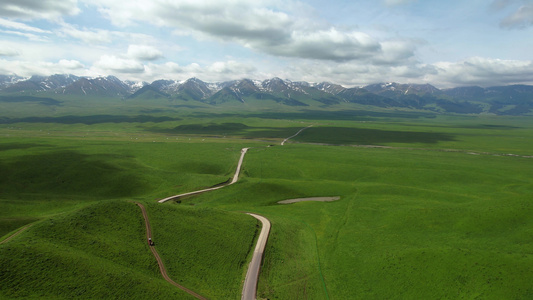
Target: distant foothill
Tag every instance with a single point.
(499, 100)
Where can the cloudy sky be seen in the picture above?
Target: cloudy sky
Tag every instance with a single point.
(350, 42)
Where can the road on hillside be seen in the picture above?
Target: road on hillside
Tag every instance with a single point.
(290, 137)
(234, 180)
(21, 230)
(252, 275)
(249, 289)
(159, 261)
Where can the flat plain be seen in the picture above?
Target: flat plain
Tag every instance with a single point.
(431, 206)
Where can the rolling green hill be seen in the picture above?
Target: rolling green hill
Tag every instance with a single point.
(432, 205)
(100, 251)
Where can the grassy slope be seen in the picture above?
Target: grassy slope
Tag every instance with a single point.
(410, 223)
(205, 250)
(483, 133)
(60, 176)
(69, 169)
(100, 252)
(426, 226)
(96, 252)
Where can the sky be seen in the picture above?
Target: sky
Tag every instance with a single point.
(348, 42)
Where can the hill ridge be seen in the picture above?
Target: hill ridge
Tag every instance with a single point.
(499, 100)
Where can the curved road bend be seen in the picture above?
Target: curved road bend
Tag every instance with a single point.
(234, 180)
(249, 289)
(290, 137)
(21, 230)
(159, 261)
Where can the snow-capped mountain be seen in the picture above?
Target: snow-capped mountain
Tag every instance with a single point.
(8, 80)
(393, 89)
(513, 99)
(109, 86)
(330, 88)
(194, 89)
(38, 83)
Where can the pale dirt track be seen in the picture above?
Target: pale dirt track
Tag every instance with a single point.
(252, 275)
(159, 261)
(290, 137)
(234, 180)
(319, 199)
(21, 230)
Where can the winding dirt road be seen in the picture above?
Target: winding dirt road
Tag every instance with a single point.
(234, 180)
(159, 261)
(316, 199)
(290, 137)
(239, 165)
(21, 230)
(252, 275)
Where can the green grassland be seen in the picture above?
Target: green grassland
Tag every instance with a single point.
(100, 252)
(432, 206)
(206, 250)
(410, 223)
(96, 252)
(60, 176)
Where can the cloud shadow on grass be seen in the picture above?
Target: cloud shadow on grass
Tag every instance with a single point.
(89, 120)
(70, 173)
(308, 114)
(230, 129)
(363, 136)
(20, 146)
(40, 100)
(317, 134)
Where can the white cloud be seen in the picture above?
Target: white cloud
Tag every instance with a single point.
(354, 74)
(29, 68)
(519, 13)
(20, 26)
(327, 45)
(231, 68)
(396, 52)
(88, 36)
(70, 64)
(484, 72)
(93, 36)
(38, 51)
(143, 52)
(8, 51)
(398, 2)
(110, 63)
(264, 26)
(215, 72)
(500, 4)
(286, 39)
(521, 18)
(29, 36)
(472, 71)
(41, 9)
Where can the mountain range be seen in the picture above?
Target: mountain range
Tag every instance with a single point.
(500, 100)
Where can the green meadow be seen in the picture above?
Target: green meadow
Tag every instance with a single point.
(432, 206)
